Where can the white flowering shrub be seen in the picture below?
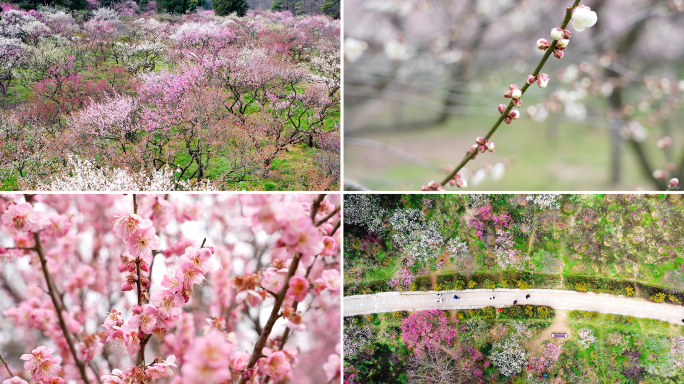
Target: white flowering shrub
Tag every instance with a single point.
(587, 337)
(83, 175)
(544, 201)
(509, 356)
(356, 338)
(419, 238)
(360, 210)
(457, 247)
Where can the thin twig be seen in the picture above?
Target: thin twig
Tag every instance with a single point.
(53, 296)
(275, 312)
(326, 218)
(6, 366)
(546, 56)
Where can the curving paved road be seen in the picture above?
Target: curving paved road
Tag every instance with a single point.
(480, 298)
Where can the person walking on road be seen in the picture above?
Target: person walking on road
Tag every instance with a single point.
(491, 298)
(456, 297)
(528, 296)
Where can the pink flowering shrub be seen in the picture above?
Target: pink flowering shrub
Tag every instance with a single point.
(428, 329)
(154, 288)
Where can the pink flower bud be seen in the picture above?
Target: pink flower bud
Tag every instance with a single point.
(145, 282)
(502, 108)
(424, 188)
(664, 143)
(126, 286)
(514, 114)
(490, 146)
(674, 182)
(461, 183)
(660, 174)
(507, 93)
(137, 309)
(558, 53)
(530, 79)
(452, 182)
(543, 44)
(517, 102)
(566, 34)
(543, 80)
(432, 184)
(516, 93)
(557, 33)
(507, 120)
(562, 44)
(481, 149)
(480, 140)
(472, 148)
(512, 87)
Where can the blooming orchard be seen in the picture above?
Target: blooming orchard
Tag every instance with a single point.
(147, 288)
(206, 99)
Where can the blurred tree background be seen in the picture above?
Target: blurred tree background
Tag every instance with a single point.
(423, 79)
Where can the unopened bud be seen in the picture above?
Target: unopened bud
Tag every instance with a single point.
(507, 120)
(126, 286)
(137, 309)
(516, 93)
(481, 149)
(461, 183)
(452, 182)
(517, 102)
(567, 34)
(558, 53)
(480, 140)
(674, 182)
(557, 34)
(507, 93)
(514, 114)
(543, 44)
(660, 174)
(664, 143)
(502, 107)
(530, 79)
(562, 44)
(145, 282)
(490, 146)
(543, 80)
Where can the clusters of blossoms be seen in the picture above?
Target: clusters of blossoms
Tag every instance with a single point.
(124, 270)
(582, 17)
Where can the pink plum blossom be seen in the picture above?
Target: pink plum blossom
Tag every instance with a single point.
(21, 217)
(143, 242)
(298, 288)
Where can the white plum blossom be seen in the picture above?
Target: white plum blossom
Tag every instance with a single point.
(583, 17)
(509, 356)
(396, 50)
(586, 337)
(353, 49)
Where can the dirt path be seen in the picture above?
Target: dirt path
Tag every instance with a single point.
(559, 325)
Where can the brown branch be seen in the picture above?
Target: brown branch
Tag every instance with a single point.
(58, 308)
(331, 214)
(6, 366)
(546, 56)
(643, 161)
(275, 315)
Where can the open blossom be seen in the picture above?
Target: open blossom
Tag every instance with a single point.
(298, 288)
(57, 225)
(126, 225)
(303, 237)
(146, 320)
(207, 359)
(277, 365)
(40, 364)
(21, 217)
(14, 380)
(162, 368)
(199, 257)
(333, 366)
(331, 278)
(583, 17)
(240, 362)
(167, 303)
(272, 280)
(143, 242)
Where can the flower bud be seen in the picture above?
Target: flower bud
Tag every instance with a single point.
(432, 184)
(664, 143)
(126, 286)
(507, 93)
(452, 182)
(543, 44)
(543, 80)
(502, 108)
(480, 140)
(490, 146)
(530, 79)
(557, 34)
(461, 183)
(674, 182)
(516, 93)
(517, 102)
(137, 309)
(145, 282)
(567, 34)
(562, 44)
(558, 53)
(472, 148)
(507, 120)
(514, 114)
(512, 87)
(660, 174)
(481, 149)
